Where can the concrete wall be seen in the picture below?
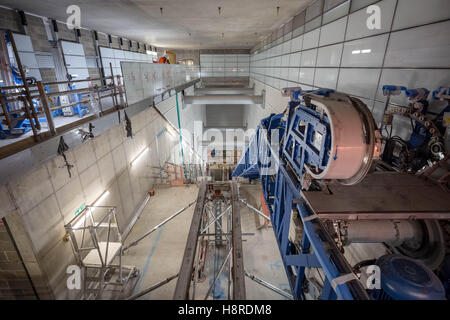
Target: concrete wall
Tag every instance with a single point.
(225, 116)
(38, 204)
(14, 282)
(188, 115)
(329, 46)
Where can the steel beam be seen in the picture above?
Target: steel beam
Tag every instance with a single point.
(202, 91)
(224, 99)
(187, 265)
(236, 238)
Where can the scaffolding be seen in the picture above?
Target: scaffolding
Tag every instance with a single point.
(97, 243)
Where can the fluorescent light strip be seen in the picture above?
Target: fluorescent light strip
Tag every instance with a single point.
(96, 203)
(139, 156)
(362, 51)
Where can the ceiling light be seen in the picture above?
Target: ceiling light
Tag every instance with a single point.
(356, 51)
(102, 198)
(96, 203)
(139, 156)
(366, 51)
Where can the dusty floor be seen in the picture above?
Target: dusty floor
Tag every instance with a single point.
(159, 256)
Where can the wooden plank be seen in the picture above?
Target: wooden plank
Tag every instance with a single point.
(44, 102)
(236, 238)
(187, 265)
(381, 196)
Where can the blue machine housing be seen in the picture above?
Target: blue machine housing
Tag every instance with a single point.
(403, 278)
(259, 155)
(283, 196)
(302, 146)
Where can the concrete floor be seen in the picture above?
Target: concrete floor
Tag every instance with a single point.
(159, 256)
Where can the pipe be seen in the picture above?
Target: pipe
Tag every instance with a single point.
(153, 287)
(218, 274)
(203, 91)
(215, 219)
(224, 99)
(269, 286)
(378, 231)
(158, 226)
(255, 210)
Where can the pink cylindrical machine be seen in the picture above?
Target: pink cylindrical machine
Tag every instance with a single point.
(354, 139)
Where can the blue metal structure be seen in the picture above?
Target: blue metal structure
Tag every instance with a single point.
(20, 125)
(426, 140)
(282, 192)
(305, 143)
(406, 279)
(79, 108)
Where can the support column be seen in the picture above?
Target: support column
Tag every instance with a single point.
(236, 238)
(187, 265)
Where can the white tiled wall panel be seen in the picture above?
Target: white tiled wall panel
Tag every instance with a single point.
(358, 4)
(225, 65)
(423, 47)
(326, 77)
(75, 62)
(308, 58)
(337, 12)
(357, 21)
(306, 75)
(311, 39)
(329, 56)
(367, 52)
(333, 32)
(337, 50)
(412, 13)
(359, 82)
(116, 56)
(27, 55)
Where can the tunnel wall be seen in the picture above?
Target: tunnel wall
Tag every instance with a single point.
(39, 203)
(328, 45)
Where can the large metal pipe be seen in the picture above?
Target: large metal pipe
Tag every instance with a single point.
(224, 99)
(153, 287)
(378, 231)
(255, 210)
(269, 286)
(200, 91)
(158, 226)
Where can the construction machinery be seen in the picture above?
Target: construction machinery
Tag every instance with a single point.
(328, 192)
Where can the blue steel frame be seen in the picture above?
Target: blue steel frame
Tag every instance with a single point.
(282, 193)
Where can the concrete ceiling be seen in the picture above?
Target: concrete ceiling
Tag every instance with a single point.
(242, 22)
